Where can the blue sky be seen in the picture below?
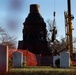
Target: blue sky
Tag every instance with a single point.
(9, 14)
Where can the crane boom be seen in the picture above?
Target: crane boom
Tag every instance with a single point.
(70, 27)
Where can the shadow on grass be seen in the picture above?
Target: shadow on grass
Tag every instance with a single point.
(41, 71)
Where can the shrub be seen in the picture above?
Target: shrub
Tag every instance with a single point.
(10, 62)
(23, 64)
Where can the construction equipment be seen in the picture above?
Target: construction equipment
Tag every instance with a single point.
(54, 30)
(68, 28)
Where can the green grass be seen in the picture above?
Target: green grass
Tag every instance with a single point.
(39, 70)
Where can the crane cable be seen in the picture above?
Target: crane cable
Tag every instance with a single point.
(54, 4)
(54, 14)
(54, 30)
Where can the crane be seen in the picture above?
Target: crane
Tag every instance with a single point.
(54, 29)
(68, 28)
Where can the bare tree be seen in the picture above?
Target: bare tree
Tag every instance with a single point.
(49, 29)
(74, 44)
(57, 45)
(6, 39)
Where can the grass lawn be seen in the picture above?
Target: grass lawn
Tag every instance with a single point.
(41, 70)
